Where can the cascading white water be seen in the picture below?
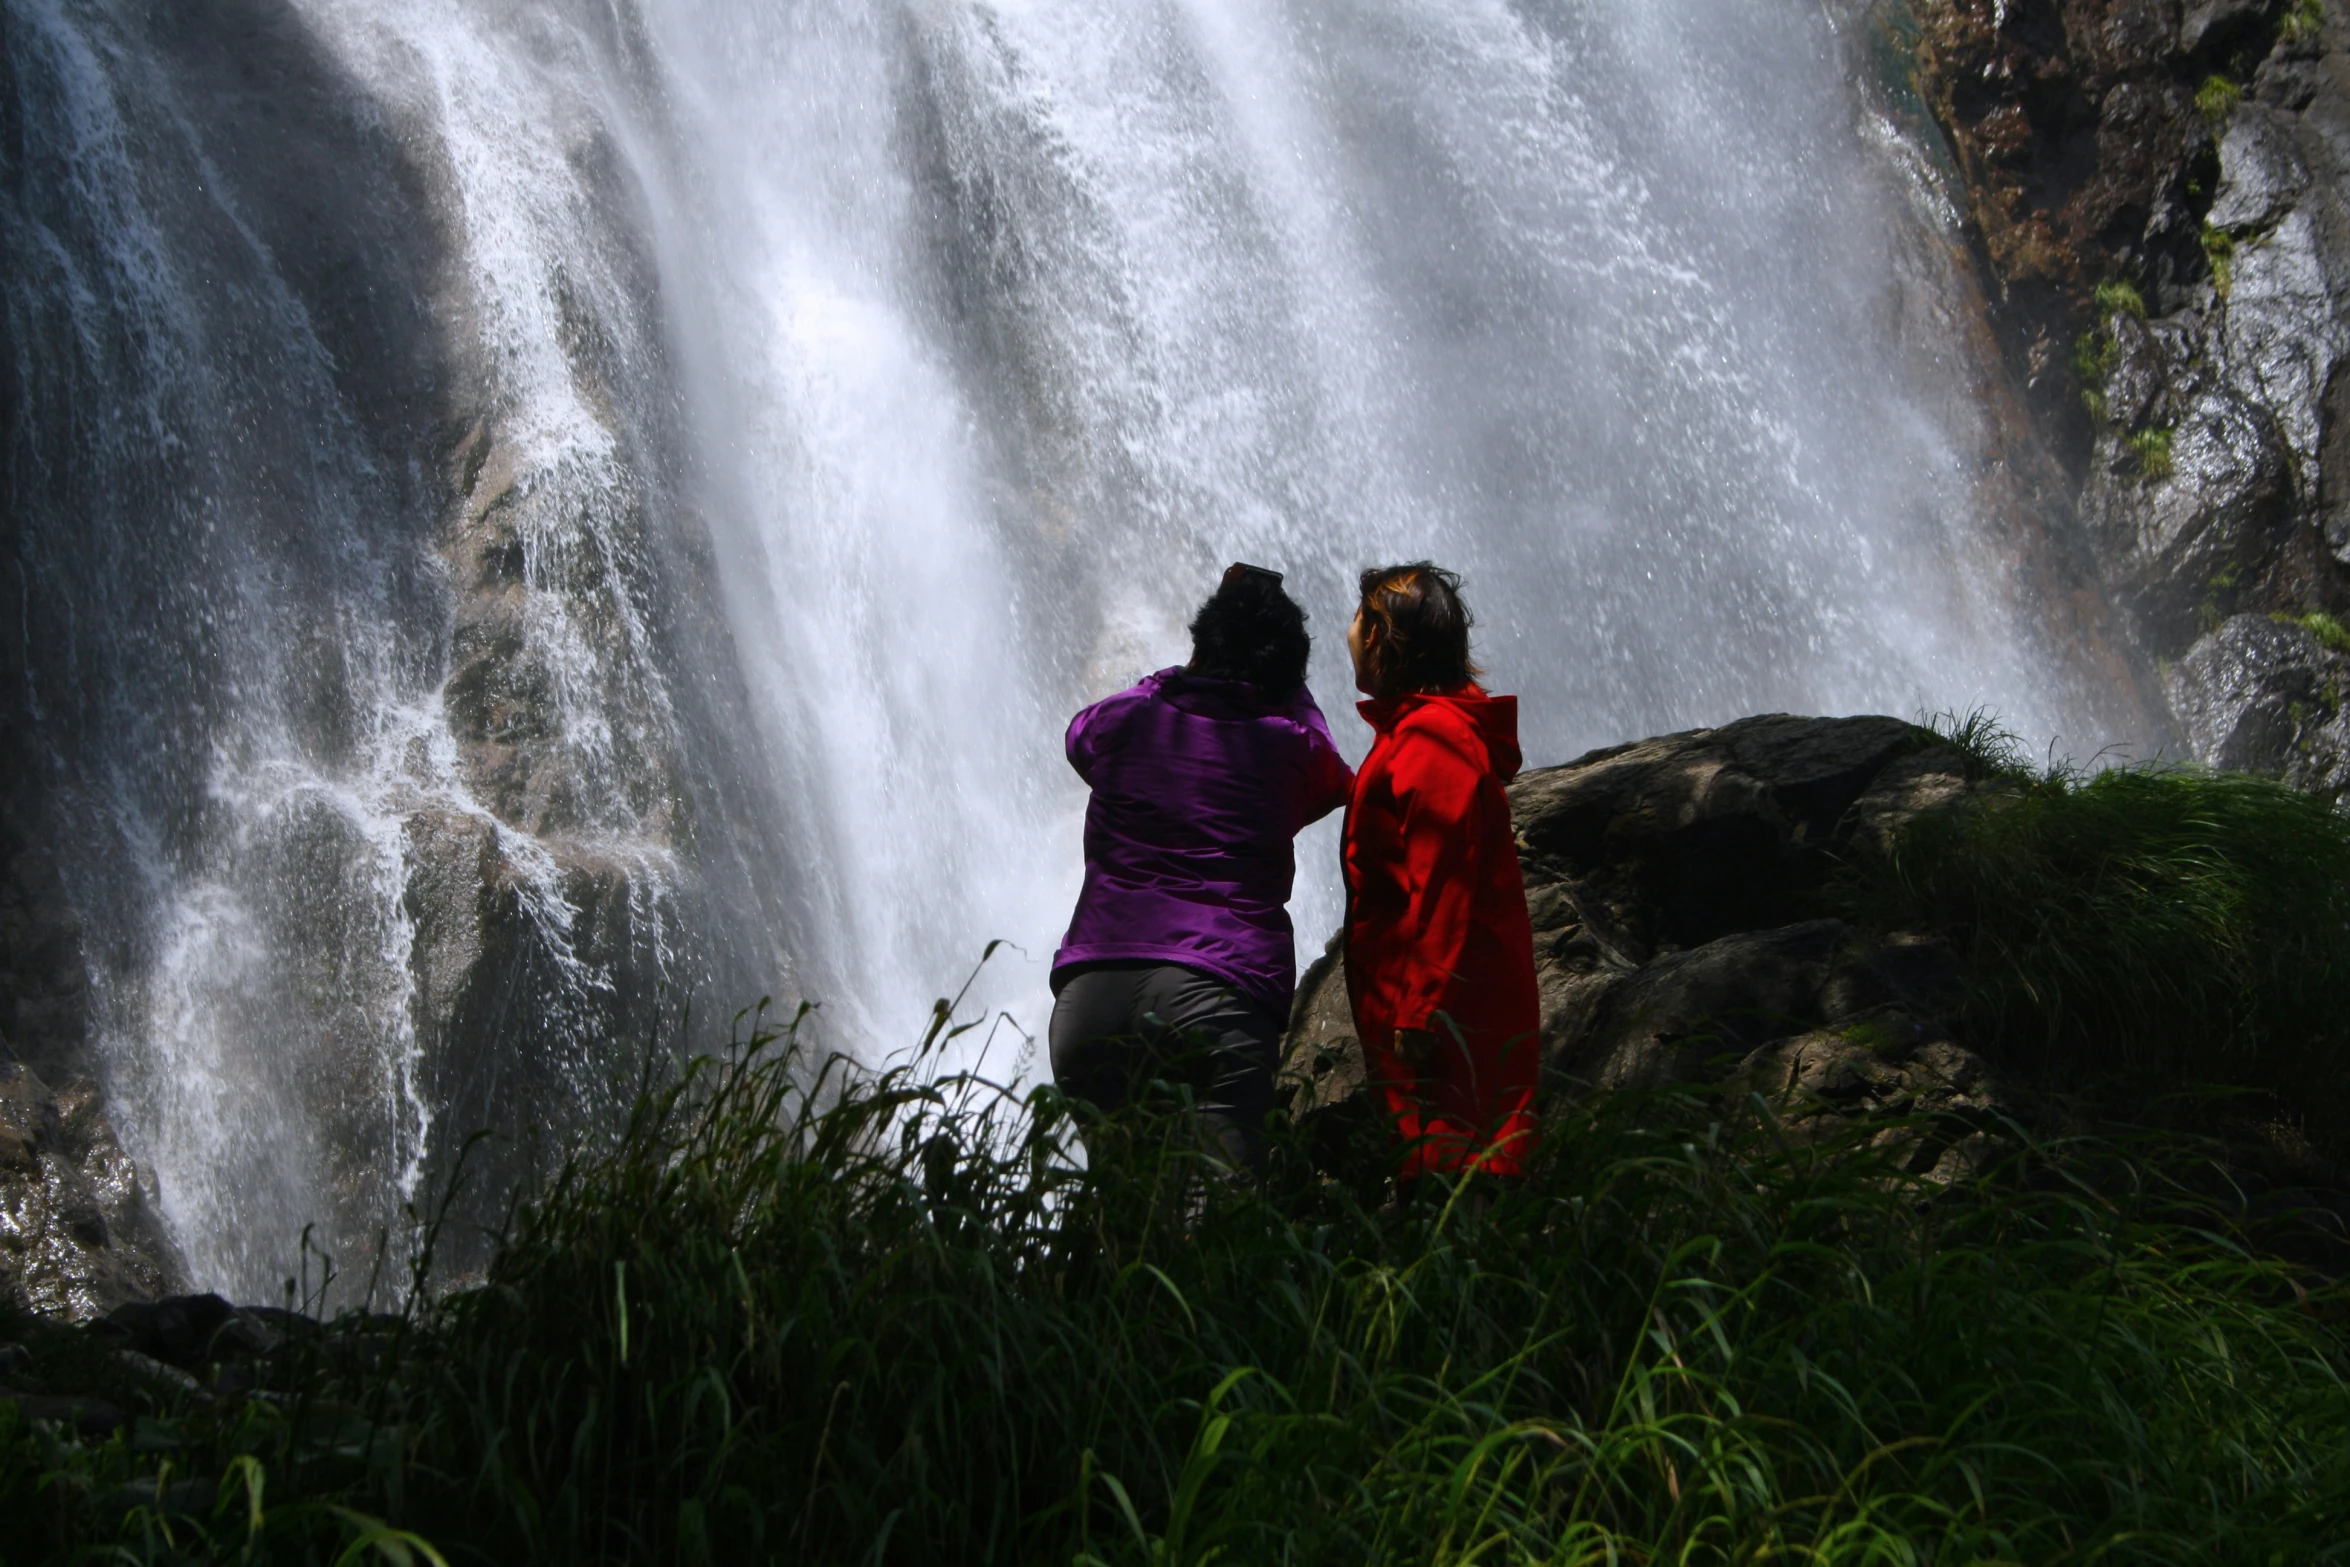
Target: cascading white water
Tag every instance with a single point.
(1012, 322)
(861, 387)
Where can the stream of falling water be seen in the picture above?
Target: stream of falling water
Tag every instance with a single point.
(857, 388)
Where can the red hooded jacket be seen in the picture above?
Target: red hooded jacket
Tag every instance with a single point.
(1437, 936)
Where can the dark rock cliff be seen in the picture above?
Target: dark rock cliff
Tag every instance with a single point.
(78, 1229)
(550, 865)
(2156, 193)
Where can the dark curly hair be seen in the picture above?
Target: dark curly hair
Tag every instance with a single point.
(1249, 629)
(1423, 642)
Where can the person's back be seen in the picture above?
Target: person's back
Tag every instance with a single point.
(1181, 941)
(1200, 786)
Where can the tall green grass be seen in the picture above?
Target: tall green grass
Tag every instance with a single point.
(2162, 925)
(798, 1314)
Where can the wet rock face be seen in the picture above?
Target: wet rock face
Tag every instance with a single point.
(2161, 191)
(2265, 695)
(1672, 887)
(2191, 496)
(78, 1232)
(2076, 126)
(2214, 484)
(498, 937)
(2086, 154)
(403, 728)
(2221, 481)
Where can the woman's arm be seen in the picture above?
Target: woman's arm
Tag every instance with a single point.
(1329, 781)
(1094, 733)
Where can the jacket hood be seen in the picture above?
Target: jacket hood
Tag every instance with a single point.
(1494, 720)
(1214, 697)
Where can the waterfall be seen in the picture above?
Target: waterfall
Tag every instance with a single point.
(535, 522)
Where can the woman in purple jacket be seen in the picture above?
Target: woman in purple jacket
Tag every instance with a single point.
(1179, 962)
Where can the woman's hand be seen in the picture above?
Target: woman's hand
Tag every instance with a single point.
(1416, 1049)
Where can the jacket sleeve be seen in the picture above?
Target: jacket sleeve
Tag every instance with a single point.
(1437, 786)
(1328, 779)
(1091, 734)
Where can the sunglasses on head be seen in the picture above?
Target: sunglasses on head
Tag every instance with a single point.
(1239, 572)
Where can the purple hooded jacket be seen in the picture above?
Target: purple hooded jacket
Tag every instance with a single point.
(1199, 784)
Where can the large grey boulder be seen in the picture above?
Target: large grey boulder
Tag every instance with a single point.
(1685, 1016)
(1686, 837)
(1674, 888)
(2264, 695)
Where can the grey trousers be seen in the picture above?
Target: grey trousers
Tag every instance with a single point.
(1119, 1026)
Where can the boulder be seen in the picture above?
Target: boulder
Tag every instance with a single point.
(1673, 885)
(93, 1418)
(2264, 695)
(1943, 1103)
(1680, 839)
(1688, 1015)
(187, 1332)
(1675, 1018)
(78, 1230)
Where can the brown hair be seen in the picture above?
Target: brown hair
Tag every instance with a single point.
(1423, 642)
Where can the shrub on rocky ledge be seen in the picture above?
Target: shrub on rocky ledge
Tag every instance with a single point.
(2155, 927)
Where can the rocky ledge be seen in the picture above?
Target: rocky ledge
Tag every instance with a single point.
(146, 1355)
(1675, 888)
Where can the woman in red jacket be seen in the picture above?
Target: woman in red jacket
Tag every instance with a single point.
(1439, 951)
